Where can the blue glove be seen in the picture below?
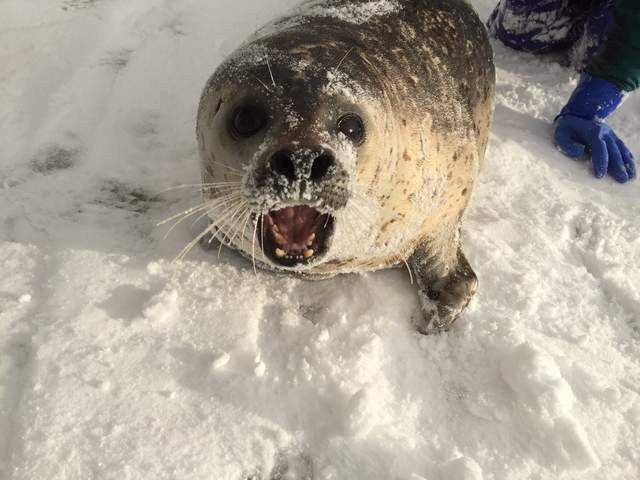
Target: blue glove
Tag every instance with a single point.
(580, 128)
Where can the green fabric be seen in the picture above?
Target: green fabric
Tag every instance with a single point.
(619, 62)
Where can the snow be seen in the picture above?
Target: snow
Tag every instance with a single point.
(362, 12)
(116, 362)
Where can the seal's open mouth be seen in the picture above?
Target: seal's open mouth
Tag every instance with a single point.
(296, 235)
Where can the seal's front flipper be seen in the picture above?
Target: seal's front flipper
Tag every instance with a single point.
(445, 287)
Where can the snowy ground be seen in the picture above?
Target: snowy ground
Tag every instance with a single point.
(116, 363)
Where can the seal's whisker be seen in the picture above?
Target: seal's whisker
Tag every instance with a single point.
(337, 68)
(234, 170)
(231, 223)
(185, 251)
(362, 221)
(273, 80)
(343, 219)
(194, 210)
(234, 228)
(343, 59)
(253, 247)
(356, 224)
(367, 203)
(225, 190)
(207, 210)
(184, 213)
(213, 208)
(229, 227)
(406, 264)
(266, 87)
(244, 227)
(234, 224)
(370, 204)
(179, 221)
(224, 215)
(216, 184)
(368, 212)
(199, 185)
(262, 232)
(363, 212)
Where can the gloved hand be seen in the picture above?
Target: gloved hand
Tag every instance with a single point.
(580, 128)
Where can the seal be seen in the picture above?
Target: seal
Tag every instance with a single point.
(346, 137)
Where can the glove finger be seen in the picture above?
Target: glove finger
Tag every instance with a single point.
(599, 157)
(616, 164)
(627, 158)
(566, 144)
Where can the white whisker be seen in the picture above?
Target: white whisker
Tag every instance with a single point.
(185, 251)
(199, 185)
(244, 227)
(232, 198)
(234, 170)
(263, 84)
(231, 224)
(337, 68)
(406, 264)
(206, 206)
(273, 80)
(225, 215)
(253, 248)
(186, 212)
(343, 59)
(235, 229)
(262, 232)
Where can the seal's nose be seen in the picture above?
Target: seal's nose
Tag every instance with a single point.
(312, 165)
(320, 166)
(282, 164)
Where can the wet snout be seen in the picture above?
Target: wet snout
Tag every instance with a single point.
(302, 165)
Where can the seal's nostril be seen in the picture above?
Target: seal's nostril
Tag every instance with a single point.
(321, 166)
(282, 163)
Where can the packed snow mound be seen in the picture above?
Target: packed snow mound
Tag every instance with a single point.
(117, 363)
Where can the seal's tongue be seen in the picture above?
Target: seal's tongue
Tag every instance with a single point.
(294, 227)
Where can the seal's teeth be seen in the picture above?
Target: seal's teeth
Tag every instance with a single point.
(308, 253)
(310, 240)
(279, 238)
(280, 253)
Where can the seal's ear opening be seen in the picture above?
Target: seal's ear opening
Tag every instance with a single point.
(247, 120)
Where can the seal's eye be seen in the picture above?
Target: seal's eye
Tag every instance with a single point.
(248, 121)
(352, 127)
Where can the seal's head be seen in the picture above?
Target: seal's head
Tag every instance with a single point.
(293, 125)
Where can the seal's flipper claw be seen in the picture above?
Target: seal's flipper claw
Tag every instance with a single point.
(443, 297)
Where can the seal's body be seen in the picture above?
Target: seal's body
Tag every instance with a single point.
(347, 136)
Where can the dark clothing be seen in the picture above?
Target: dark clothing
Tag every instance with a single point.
(619, 61)
(599, 36)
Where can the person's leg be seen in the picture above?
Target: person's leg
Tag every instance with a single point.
(539, 26)
(594, 36)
